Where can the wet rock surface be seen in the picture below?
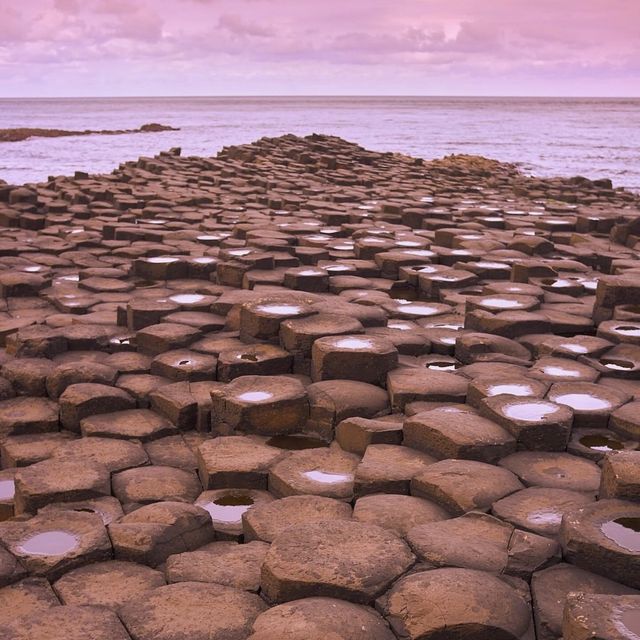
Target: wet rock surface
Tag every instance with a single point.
(306, 390)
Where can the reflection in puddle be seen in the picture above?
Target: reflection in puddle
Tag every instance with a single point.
(162, 260)
(7, 489)
(420, 310)
(401, 326)
(601, 443)
(628, 330)
(442, 366)
(625, 532)
(510, 389)
(582, 401)
(187, 298)
(279, 309)
(228, 508)
(311, 272)
(255, 396)
(619, 366)
(328, 478)
(561, 372)
(204, 260)
(353, 343)
(630, 622)
(500, 303)
(531, 411)
(574, 348)
(50, 543)
(296, 443)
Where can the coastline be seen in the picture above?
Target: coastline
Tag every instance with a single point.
(597, 139)
(303, 369)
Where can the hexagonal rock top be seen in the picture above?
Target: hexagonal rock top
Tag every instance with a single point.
(320, 619)
(339, 559)
(193, 610)
(265, 405)
(450, 604)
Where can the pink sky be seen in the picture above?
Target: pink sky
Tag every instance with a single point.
(258, 47)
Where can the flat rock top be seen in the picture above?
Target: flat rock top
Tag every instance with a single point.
(345, 559)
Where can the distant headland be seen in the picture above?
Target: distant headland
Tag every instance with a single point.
(17, 135)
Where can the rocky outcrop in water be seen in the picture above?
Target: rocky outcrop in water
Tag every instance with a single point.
(24, 133)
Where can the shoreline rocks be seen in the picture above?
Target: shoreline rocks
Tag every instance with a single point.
(303, 389)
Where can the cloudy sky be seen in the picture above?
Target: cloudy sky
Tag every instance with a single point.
(272, 47)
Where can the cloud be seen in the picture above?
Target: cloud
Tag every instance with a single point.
(488, 44)
(242, 27)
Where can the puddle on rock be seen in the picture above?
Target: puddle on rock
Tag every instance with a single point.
(338, 267)
(326, 477)
(400, 326)
(228, 508)
(442, 366)
(255, 396)
(582, 401)
(420, 310)
(204, 260)
(601, 443)
(561, 372)
(625, 532)
(353, 343)
(280, 309)
(49, 543)
(296, 443)
(510, 389)
(630, 623)
(574, 348)
(619, 366)
(162, 260)
(529, 411)
(628, 330)
(7, 489)
(187, 298)
(500, 303)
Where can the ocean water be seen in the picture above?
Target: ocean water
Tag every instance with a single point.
(595, 138)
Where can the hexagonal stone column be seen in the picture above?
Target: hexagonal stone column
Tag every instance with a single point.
(151, 534)
(453, 603)
(265, 405)
(605, 538)
(194, 610)
(339, 559)
(318, 619)
(67, 623)
(236, 462)
(355, 357)
(53, 543)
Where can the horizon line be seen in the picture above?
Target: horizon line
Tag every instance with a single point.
(325, 95)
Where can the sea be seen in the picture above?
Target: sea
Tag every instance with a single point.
(591, 137)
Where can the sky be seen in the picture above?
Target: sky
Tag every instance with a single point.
(57, 48)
